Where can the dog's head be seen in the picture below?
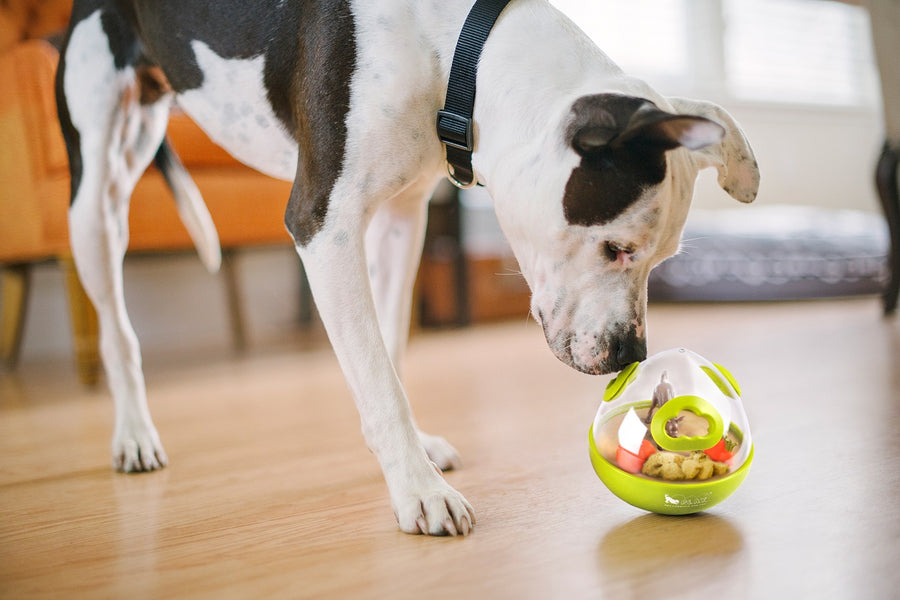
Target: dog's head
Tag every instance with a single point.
(598, 200)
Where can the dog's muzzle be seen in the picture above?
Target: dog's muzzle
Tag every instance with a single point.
(598, 353)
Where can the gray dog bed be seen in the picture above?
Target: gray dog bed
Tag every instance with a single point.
(775, 253)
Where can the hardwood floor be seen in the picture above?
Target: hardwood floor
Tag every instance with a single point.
(271, 492)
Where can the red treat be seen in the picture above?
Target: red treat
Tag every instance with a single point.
(647, 450)
(719, 452)
(631, 462)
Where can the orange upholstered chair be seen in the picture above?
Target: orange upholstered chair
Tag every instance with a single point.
(246, 206)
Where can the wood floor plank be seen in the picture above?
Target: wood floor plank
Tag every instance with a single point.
(272, 493)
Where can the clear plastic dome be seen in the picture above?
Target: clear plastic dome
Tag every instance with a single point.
(671, 435)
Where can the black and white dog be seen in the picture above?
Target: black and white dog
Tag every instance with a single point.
(591, 172)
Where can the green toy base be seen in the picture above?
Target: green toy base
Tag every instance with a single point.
(665, 497)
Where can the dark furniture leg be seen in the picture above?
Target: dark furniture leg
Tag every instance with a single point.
(889, 193)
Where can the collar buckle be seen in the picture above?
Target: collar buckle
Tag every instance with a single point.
(455, 131)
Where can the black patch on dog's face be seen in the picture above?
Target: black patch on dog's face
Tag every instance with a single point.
(609, 180)
(622, 141)
(614, 171)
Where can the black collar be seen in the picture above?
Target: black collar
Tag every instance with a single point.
(454, 123)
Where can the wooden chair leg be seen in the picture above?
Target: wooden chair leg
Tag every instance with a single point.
(889, 193)
(16, 288)
(85, 327)
(233, 296)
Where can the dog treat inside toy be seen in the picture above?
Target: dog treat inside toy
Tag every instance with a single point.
(690, 449)
(672, 466)
(646, 458)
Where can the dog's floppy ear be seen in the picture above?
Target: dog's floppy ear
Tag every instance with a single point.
(615, 120)
(733, 157)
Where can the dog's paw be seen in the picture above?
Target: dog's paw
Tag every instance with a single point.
(441, 452)
(436, 509)
(138, 450)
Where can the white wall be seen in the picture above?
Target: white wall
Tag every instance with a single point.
(816, 156)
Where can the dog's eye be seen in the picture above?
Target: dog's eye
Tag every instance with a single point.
(612, 249)
(615, 252)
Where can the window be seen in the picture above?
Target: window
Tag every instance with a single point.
(786, 51)
(653, 43)
(798, 51)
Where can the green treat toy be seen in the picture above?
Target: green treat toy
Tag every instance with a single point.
(671, 435)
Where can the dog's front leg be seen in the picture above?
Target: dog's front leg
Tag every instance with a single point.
(335, 263)
(393, 248)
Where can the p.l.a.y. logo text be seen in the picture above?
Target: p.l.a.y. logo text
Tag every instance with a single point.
(688, 501)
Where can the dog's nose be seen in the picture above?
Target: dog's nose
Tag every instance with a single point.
(629, 349)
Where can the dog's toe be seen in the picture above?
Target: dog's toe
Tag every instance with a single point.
(138, 453)
(440, 513)
(441, 452)
(135, 459)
